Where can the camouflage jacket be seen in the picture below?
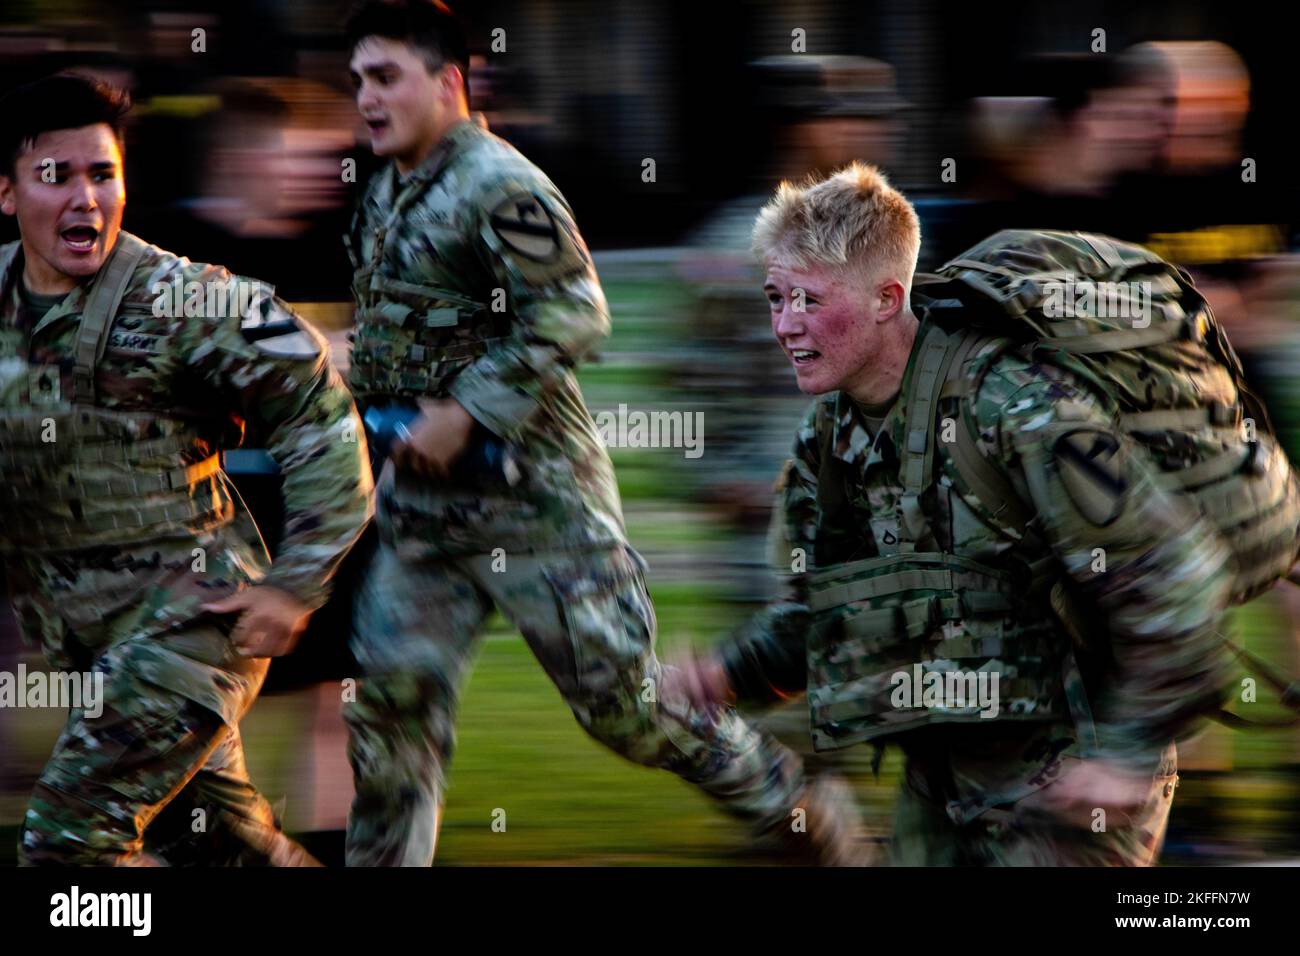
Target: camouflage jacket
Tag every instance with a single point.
(194, 383)
(473, 283)
(1142, 619)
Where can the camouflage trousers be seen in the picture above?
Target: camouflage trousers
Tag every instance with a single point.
(588, 620)
(167, 733)
(1020, 835)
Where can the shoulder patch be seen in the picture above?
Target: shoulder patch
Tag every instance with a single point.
(1091, 466)
(533, 233)
(525, 225)
(278, 332)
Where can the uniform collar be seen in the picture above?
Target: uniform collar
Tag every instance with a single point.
(9, 292)
(393, 191)
(852, 440)
(73, 303)
(452, 142)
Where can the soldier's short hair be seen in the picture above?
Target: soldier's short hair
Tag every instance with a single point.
(852, 219)
(62, 101)
(430, 26)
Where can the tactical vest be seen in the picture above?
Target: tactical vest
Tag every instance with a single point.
(893, 619)
(75, 475)
(1174, 386)
(411, 339)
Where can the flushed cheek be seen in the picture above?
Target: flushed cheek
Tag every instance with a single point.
(837, 330)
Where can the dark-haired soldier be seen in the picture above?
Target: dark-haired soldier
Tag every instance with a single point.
(124, 371)
(476, 296)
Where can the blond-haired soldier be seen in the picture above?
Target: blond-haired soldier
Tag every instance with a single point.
(920, 611)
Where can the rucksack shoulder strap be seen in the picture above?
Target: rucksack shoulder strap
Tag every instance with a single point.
(985, 480)
(938, 348)
(833, 481)
(830, 490)
(8, 253)
(8, 257)
(101, 306)
(990, 486)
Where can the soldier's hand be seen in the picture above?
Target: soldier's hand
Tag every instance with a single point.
(701, 679)
(271, 622)
(437, 438)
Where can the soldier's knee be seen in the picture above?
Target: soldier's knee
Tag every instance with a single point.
(387, 697)
(401, 736)
(625, 739)
(640, 733)
(57, 833)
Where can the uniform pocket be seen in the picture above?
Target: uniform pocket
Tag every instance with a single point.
(142, 742)
(164, 749)
(608, 620)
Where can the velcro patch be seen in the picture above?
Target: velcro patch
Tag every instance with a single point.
(1091, 465)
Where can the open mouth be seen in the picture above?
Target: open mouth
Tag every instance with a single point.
(802, 357)
(80, 239)
(376, 126)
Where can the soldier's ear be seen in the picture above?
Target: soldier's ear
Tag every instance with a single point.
(891, 296)
(8, 200)
(451, 81)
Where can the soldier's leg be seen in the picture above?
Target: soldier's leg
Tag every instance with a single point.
(220, 819)
(414, 629)
(168, 703)
(924, 834)
(589, 621)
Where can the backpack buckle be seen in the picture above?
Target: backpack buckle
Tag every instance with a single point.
(1221, 414)
(1257, 462)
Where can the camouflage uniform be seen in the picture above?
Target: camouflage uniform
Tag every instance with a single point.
(473, 283)
(123, 524)
(973, 783)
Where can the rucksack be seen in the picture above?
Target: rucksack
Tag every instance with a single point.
(1135, 329)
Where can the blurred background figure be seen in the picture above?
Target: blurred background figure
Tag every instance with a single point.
(822, 112)
(1212, 90)
(1198, 204)
(1049, 154)
(269, 195)
(271, 199)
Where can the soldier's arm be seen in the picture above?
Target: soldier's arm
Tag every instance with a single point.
(528, 241)
(273, 370)
(766, 657)
(1166, 578)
